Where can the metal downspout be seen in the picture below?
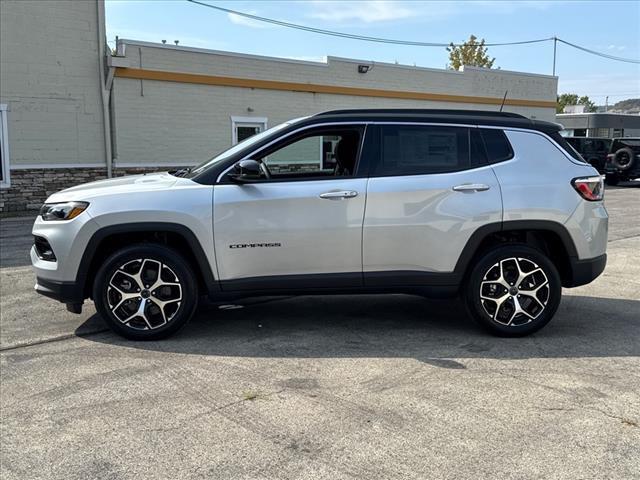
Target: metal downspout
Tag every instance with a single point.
(105, 92)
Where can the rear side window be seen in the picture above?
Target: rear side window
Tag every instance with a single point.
(497, 145)
(566, 146)
(418, 149)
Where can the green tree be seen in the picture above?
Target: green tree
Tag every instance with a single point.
(573, 99)
(471, 53)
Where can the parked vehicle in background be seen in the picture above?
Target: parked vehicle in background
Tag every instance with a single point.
(623, 160)
(593, 150)
(494, 207)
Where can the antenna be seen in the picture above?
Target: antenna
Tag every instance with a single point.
(503, 99)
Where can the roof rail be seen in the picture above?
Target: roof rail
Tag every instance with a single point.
(421, 111)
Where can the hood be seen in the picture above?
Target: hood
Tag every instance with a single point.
(120, 185)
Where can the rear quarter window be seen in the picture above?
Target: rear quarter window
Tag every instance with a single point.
(566, 146)
(496, 145)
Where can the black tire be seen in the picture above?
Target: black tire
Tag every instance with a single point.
(502, 321)
(173, 277)
(612, 179)
(624, 159)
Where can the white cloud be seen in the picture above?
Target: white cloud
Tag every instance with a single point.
(247, 22)
(369, 11)
(504, 7)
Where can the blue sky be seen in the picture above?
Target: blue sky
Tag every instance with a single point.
(607, 26)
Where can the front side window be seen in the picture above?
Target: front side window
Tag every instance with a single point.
(421, 149)
(319, 153)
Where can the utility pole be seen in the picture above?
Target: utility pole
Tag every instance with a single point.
(555, 45)
(606, 103)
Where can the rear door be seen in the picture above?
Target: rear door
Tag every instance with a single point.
(429, 190)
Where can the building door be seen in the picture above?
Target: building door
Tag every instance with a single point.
(299, 226)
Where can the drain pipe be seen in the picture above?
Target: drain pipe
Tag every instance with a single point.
(105, 86)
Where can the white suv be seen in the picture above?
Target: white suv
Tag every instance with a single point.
(493, 206)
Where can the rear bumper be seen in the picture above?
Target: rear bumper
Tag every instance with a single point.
(66, 292)
(585, 271)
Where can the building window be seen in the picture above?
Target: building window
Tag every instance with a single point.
(4, 148)
(245, 127)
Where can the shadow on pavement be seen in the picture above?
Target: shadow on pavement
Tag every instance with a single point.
(396, 326)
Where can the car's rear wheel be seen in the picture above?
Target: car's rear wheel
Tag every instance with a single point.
(513, 290)
(145, 292)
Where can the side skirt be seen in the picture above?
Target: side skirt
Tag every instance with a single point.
(427, 284)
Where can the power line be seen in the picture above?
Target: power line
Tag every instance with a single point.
(604, 55)
(397, 41)
(352, 35)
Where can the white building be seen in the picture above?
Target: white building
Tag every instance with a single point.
(73, 114)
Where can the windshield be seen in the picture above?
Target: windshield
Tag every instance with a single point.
(238, 147)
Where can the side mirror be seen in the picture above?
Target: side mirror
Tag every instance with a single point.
(246, 171)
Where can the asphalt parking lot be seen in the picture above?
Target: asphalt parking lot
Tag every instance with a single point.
(326, 387)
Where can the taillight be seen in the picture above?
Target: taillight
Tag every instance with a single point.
(589, 188)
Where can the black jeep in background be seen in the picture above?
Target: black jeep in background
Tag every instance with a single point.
(593, 150)
(617, 158)
(623, 161)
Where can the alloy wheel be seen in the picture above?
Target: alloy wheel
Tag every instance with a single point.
(144, 294)
(514, 291)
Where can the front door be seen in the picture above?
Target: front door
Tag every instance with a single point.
(301, 225)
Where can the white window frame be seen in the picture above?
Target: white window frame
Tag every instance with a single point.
(246, 122)
(4, 144)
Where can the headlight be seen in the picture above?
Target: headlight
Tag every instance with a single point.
(62, 211)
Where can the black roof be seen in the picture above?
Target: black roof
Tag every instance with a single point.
(468, 117)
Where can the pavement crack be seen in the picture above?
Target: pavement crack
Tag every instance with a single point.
(59, 338)
(625, 420)
(624, 238)
(216, 409)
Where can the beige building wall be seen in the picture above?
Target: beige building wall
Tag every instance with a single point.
(50, 83)
(161, 122)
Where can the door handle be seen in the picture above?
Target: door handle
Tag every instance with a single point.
(339, 195)
(471, 187)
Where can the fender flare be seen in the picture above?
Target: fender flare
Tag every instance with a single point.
(477, 237)
(211, 284)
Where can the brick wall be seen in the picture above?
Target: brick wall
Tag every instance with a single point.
(31, 187)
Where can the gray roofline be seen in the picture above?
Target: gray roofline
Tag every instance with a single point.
(225, 53)
(322, 64)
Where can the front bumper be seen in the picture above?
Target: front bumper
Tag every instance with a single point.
(585, 271)
(66, 292)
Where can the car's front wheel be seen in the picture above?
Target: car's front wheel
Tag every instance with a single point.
(513, 290)
(145, 292)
